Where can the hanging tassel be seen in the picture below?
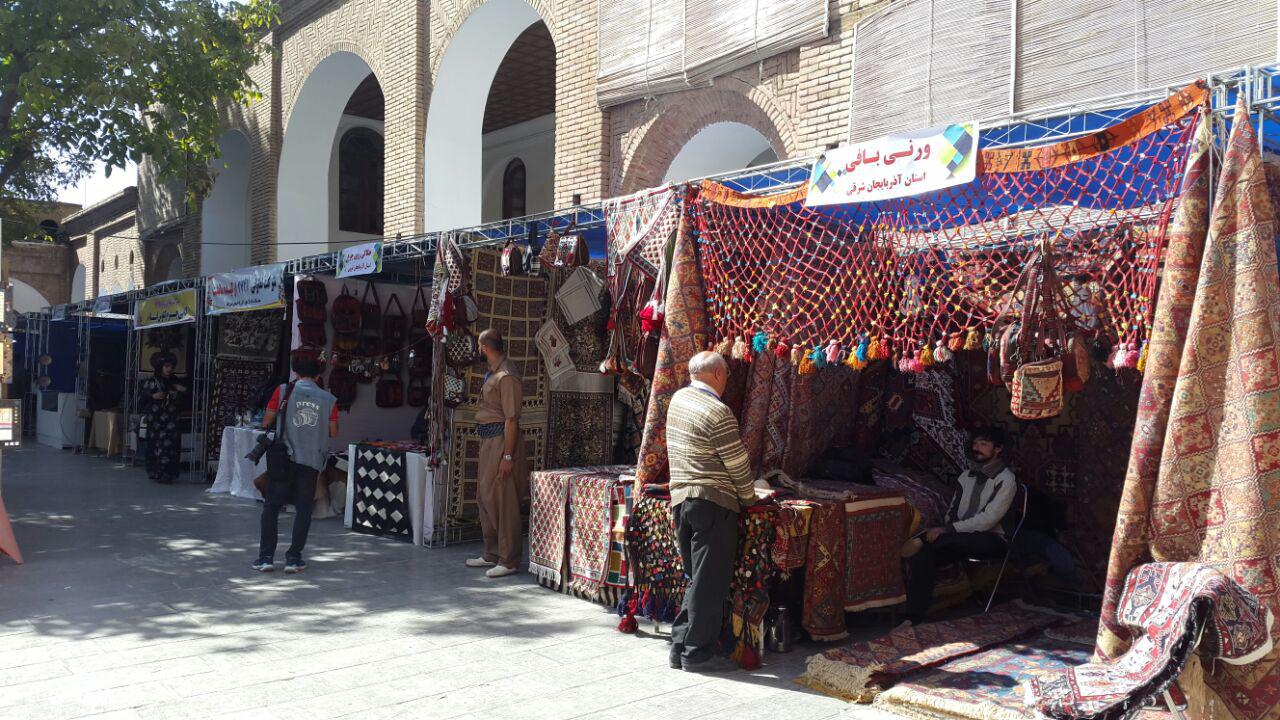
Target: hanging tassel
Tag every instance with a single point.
(760, 343)
(739, 349)
(1115, 361)
(915, 363)
(628, 625)
(863, 351)
(796, 355)
(942, 354)
(806, 365)
(833, 353)
(818, 357)
(781, 350)
(1142, 358)
(725, 347)
(927, 357)
(1131, 357)
(956, 343)
(852, 362)
(974, 340)
(873, 349)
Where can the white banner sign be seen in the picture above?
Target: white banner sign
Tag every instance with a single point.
(256, 288)
(363, 259)
(896, 166)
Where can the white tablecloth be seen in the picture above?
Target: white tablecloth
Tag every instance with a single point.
(235, 473)
(423, 512)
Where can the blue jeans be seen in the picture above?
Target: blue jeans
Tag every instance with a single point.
(303, 501)
(1061, 564)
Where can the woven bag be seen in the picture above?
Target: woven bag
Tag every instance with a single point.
(308, 313)
(512, 260)
(312, 334)
(419, 312)
(343, 385)
(460, 349)
(347, 313)
(311, 292)
(370, 311)
(390, 392)
(1037, 390)
(346, 344)
(455, 390)
(394, 326)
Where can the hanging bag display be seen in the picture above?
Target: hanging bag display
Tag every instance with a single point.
(460, 349)
(1037, 386)
(371, 310)
(393, 326)
(345, 344)
(512, 260)
(390, 392)
(420, 313)
(419, 392)
(312, 334)
(455, 390)
(346, 314)
(343, 385)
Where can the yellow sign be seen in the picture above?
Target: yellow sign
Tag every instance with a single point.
(172, 309)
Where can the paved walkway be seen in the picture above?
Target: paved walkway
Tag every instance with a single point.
(137, 601)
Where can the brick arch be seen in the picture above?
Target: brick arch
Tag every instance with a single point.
(310, 64)
(680, 117)
(165, 254)
(462, 12)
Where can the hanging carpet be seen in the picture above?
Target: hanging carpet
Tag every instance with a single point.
(876, 526)
(381, 500)
(250, 335)
(237, 387)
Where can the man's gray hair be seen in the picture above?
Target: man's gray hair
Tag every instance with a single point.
(706, 362)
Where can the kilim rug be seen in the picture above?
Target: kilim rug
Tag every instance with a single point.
(929, 497)
(654, 554)
(875, 529)
(548, 539)
(1213, 498)
(237, 387)
(250, 335)
(517, 307)
(579, 429)
(1170, 608)
(791, 536)
(1083, 632)
(381, 501)
(987, 685)
(618, 571)
(824, 578)
(590, 507)
(859, 671)
(684, 334)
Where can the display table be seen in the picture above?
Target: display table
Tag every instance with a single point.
(235, 473)
(107, 434)
(391, 492)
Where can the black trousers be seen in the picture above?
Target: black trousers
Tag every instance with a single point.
(949, 548)
(708, 536)
(303, 500)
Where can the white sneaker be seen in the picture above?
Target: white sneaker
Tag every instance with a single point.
(498, 571)
(479, 563)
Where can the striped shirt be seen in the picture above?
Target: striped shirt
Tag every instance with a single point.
(706, 454)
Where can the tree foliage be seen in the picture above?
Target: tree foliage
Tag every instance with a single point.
(112, 81)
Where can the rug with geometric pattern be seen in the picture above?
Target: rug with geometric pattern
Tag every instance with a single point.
(380, 501)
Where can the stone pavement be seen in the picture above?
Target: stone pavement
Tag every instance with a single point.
(137, 601)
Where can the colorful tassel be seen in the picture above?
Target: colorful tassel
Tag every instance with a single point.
(796, 355)
(806, 365)
(818, 356)
(739, 349)
(628, 625)
(760, 343)
(915, 363)
(956, 343)
(1131, 357)
(833, 353)
(942, 354)
(1115, 361)
(854, 362)
(974, 340)
(926, 357)
(781, 350)
(1142, 359)
(725, 347)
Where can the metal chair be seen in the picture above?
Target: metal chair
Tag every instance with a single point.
(1020, 500)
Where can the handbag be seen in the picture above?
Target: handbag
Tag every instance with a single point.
(393, 327)
(312, 334)
(419, 392)
(370, 312)
(1036, 344)
(308, 313)
(455, 390)
(1037, 390)
(347, 313)
(419, 312)
(460, 349)
(311, 292)
(1076, 365)
(343, 385)
(512, 260)
(571, 252)
(390, 392)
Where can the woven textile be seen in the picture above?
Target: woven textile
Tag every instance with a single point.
(517, 307)
(618, 571)
(1167, 606)
(1083, 632)
(753, 571)
(987, 685)
(927, 496)
(239, 383)
(755, 410)
(654, 553)
(860, 670)
(875, 528)
(824, 579)
(579, 429)
(381, 500)
(684, 334)
(250, 335)
(640, 227)
(791, 537)
(590, 506)
(1213, 500)
(548, 523)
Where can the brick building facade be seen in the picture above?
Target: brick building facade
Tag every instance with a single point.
(797, 100)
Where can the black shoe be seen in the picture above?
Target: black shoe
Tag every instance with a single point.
(294, 567)
(675, 655)
(264, 565)
(713, 664)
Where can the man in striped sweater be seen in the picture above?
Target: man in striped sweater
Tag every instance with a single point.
(711, 483)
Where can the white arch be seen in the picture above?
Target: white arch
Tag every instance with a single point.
(77, 284)
(302, 200)
(26, 298)
(224, 220)
(719, 147)
(455, 117)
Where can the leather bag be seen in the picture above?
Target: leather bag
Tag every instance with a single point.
(390, 392)
(347, 314)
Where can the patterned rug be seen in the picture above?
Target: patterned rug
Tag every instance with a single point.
(1083, 632)
(381, 500)
(875, 529)
(753, 571)
(987, 685)
(1212, 499)
(239, 383)
(927, 496)
(517, 307)
(1171, 608)
(579, 429)
(548, 526)
(590, 509)
(824, 575)
(791, 537)
(654, 554)
(684, 334)
(618, 571)
(861, 670)
(250, 335)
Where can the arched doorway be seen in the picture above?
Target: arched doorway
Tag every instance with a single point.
(717, 148)
(224, 217)
(26, 298)
(474, 134)
(339, 95)
(77, 284)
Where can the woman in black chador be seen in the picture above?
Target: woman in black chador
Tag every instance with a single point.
(160, 402)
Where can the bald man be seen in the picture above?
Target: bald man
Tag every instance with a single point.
(710, 484)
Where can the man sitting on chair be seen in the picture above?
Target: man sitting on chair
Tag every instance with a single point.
(973, 529)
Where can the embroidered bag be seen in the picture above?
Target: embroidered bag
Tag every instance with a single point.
(347, 313)
(455, 390)
(342, 383)
(308, 313)
(311, 292)
(390, 392)
(512, 260)
(460, 349)
(1076, 365)
(419, 392)
(571, 252)
(1037, 390)
(393, 326)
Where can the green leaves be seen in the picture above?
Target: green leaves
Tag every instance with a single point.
(86, 81)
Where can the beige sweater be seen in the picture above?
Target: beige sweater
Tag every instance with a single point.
(706, 454)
